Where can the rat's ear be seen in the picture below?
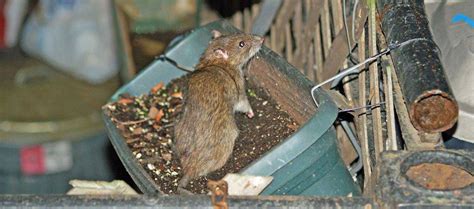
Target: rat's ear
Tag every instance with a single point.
(221, 53)
(216, 34)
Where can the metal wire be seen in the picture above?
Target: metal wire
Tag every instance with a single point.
(354, 68)
(176, 64)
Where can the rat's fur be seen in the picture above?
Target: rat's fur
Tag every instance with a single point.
(206, 132)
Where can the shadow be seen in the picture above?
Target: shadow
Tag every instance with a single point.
(229, 7)
(118, 170)
(451, 142)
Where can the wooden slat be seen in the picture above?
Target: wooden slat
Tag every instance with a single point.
(374, 86)
(362, 119)
(130, 70)
(318, 54)
(288, 44)
(326, 29)
(391, 142)
(310, 71)
(412, 138)
(273, 41)
(336, 8)
(339, 49)
(237, 20)
(286, 12)
(247, 21)
(255, 10)
(347, 87)
(311, 23)
(298, 35)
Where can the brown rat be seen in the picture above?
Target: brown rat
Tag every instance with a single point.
(206, 132)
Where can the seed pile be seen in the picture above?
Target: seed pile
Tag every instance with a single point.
(146, 122)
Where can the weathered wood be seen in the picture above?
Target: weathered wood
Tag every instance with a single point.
(326, 30)
(318, 52)
(273, 41)
(130, 70)
(336, 9)
(247, 27)
(391, 141)
(411, 137)
(244, 20)
(307, 34)
(237, 20)
(288, 44)
(310, 71)
(362, 117)
(346, 85)
(255, 10)
(374, 86)
(298, 35)
(287, 11)
(338, 51)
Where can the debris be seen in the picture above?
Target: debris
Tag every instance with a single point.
(157, 87)
(116, 187)
(245, 184)
(153, 112)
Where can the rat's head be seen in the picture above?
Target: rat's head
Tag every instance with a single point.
(234, 49)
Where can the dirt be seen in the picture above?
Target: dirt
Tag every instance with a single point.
(149, 135)
(437, 176)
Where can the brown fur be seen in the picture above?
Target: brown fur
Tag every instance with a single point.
(206, 133)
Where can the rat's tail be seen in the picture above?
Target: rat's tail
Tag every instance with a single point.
(184, 181)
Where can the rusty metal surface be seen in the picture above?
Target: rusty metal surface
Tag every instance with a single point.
(429, 98)
(396, 190)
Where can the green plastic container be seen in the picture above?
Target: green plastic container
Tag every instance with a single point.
(50, 128)
(306, 163)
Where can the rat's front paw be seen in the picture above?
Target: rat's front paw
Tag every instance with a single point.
(250, 114)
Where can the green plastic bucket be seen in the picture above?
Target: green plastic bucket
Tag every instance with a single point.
(50, 128)
(306, 163)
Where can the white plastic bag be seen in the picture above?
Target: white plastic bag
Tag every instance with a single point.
(76, 36)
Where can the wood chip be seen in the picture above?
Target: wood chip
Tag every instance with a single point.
(159, 115)
(157, 87)
(137, 131)
(125, 101)
(166, 156)
(177, 95)
(153, 112)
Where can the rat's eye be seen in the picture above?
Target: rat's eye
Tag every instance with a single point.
(241, 44)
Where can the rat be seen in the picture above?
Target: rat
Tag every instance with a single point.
(206, 132)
